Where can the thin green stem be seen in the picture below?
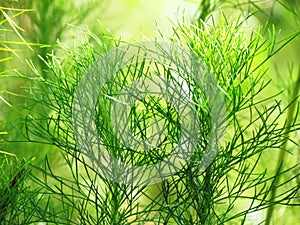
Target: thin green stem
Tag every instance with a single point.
(204, 10)
(282, 154)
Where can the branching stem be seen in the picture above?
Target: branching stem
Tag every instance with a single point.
(281, 157)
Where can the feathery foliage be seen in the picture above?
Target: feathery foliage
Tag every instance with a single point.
(228, 189)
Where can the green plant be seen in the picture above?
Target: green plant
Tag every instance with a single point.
(229, 189)
(50, 21)
(3, 152)
(30, 31)
(15, 195)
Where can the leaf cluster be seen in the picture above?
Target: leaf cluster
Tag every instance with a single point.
(228, 190)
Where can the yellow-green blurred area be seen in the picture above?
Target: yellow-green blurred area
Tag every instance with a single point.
(32, 30)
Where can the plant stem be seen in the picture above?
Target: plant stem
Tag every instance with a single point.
(204, 10)
(9, 193)
(281, 157)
